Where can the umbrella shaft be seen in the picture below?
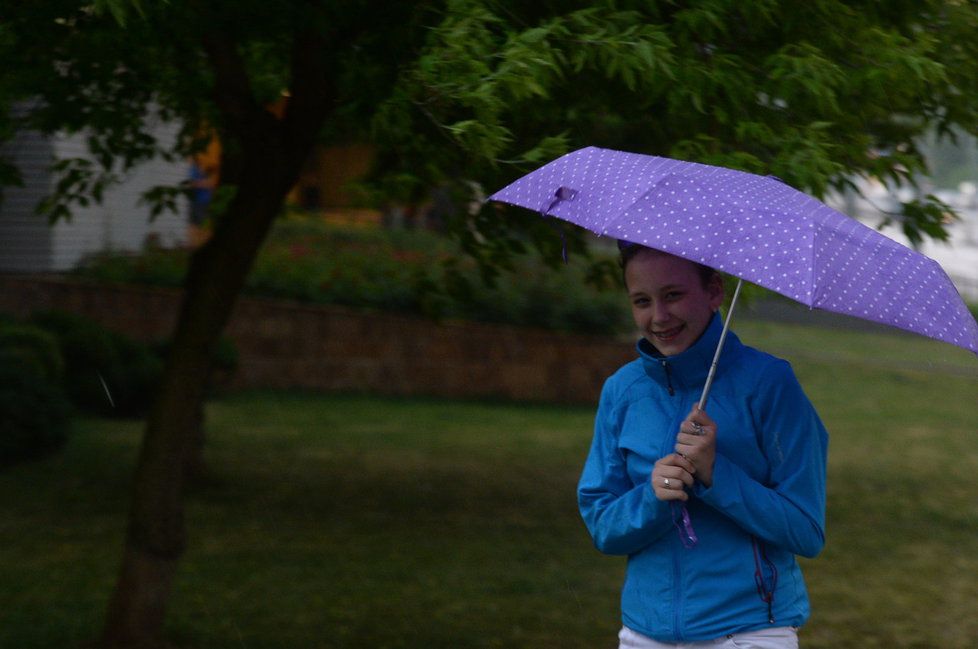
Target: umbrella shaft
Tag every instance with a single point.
(723, 338)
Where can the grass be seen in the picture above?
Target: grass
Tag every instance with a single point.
(900, 567)
(352, 521)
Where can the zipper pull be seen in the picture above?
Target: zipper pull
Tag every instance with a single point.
(665, 367)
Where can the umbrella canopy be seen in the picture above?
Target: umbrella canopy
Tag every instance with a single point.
(754, 227)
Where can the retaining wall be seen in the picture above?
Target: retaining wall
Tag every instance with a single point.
(285, 344)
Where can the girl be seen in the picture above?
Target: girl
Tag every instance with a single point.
(710, 509)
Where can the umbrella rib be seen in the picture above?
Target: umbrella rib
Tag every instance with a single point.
(716, 354)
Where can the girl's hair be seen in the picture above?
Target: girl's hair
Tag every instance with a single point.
(628, 251)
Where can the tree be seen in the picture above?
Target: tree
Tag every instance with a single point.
(453, 92)
(816, 94)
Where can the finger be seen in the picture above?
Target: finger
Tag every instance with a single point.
(677, 464)
(691, 470)
(675, 478)
(673, 491)
(686, 443)
(701, 430)
(683, 460)
(700, 417)
(690, 427)
(667, 495)
(688, 440)
(673, 460)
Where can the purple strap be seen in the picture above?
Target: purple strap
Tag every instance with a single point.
(562, 194)
(686, 533)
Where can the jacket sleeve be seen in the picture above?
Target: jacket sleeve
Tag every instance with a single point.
(621, 516)
(789, 510)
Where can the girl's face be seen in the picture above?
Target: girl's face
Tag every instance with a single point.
(670, 304)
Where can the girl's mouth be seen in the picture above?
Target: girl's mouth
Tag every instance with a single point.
(668, 334)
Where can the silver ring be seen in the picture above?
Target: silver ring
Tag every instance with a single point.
(698, 428)
(665, 481)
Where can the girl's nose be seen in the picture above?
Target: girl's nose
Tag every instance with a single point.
(659, 312)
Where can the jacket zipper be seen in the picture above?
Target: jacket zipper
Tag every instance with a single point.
(677, 594)
(665, 367)
(677, 555)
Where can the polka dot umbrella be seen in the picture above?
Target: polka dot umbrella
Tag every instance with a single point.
(756, 228)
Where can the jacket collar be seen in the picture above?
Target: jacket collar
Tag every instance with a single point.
(690, 367)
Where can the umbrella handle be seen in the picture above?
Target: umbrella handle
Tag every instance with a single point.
(723, 338)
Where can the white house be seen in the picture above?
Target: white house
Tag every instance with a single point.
(119, 223)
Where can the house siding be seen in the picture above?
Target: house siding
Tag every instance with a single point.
(119, 223)
(25, 241)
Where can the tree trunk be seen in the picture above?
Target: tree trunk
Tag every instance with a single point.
(155, 538)
(138, 608)
(194, 466)
(271, 154)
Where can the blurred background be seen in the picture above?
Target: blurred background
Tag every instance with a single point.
(274, 374)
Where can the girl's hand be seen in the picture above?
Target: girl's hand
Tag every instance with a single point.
(670, 477)
(697, 443)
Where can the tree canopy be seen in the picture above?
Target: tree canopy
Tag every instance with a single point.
(816, 93)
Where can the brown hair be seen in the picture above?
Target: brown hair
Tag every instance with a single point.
(628, 251)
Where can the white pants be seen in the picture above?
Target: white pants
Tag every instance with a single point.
(783, 637)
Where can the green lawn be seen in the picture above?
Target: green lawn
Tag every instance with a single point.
(334, 521)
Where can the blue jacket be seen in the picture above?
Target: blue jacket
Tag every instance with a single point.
(766, 504)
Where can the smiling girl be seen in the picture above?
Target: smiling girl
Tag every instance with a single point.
(710, 509)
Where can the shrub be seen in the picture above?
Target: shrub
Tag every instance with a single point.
(34, 416)
(31, 349)
(133, 382)
(408, 271)
(106, 373)
(152, 267)
(34, 412)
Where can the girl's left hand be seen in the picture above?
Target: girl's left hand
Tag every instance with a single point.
(696, 442)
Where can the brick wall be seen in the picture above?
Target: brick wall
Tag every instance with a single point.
(324, 348)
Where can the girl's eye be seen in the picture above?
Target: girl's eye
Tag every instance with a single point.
(640, 301)
(672, 296)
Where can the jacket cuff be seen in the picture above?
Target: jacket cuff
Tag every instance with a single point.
(722, 468)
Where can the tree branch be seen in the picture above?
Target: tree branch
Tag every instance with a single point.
(312, 91)
(232, 89)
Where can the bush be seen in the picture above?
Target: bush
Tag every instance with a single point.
(133, 383)
(31, 349)
(109, 374)
(152, 267)
(34, 416)
(407, 271)
(106, 373)
(34, 412)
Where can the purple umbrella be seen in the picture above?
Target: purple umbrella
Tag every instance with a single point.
(756, 228)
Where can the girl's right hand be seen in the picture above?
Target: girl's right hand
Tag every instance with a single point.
(670, 477)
